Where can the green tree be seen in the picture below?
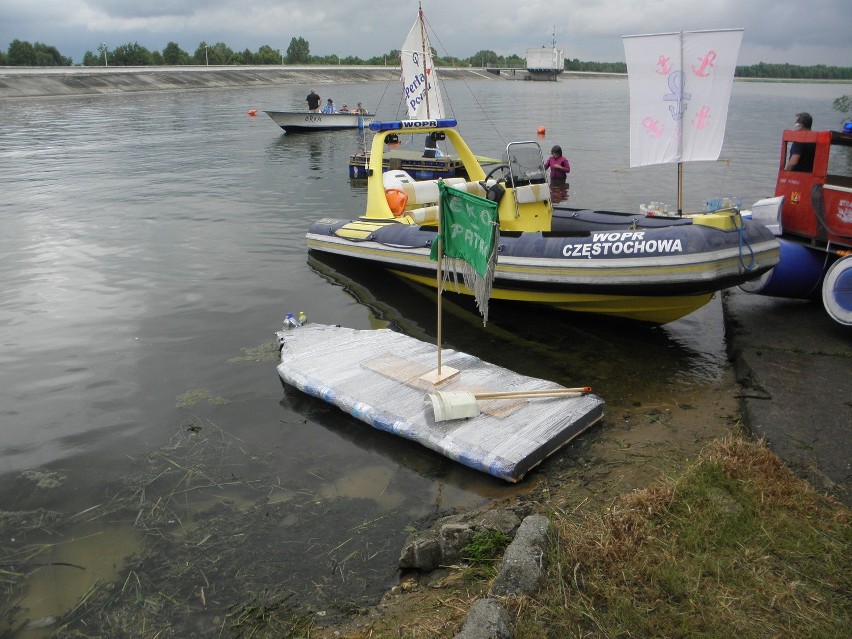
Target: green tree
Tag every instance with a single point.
(267, 55)
(242, 57)
(173, 54)
(92, 59)
(219, 53)
(484, 58)
(21, 54)
(131, 54)
(299, 51)
(202, 54)
(49, 56)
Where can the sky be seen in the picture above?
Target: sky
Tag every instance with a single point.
(802, 32)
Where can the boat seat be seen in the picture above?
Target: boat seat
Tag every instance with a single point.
(429, 214)
(424, 193)
(530, 193)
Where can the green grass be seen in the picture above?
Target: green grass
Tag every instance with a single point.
(735, 547)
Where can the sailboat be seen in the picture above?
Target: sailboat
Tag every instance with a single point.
(421, 93)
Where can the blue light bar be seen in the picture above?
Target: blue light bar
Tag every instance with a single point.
(405, 125)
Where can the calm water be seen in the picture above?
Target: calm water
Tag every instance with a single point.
(152, 243)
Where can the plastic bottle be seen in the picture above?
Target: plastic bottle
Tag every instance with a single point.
(303, 319)
(290, 322)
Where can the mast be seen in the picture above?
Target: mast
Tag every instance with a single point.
(423, 41)
(680, 108)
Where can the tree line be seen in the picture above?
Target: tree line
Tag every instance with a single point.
(22, 53)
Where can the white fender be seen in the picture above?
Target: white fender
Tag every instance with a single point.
(768, 213)
(837, 291)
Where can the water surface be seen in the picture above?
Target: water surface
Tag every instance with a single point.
(151, 245)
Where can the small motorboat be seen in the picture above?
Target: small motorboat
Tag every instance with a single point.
(300, 121)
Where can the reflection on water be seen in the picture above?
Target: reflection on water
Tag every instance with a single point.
(558, 192)
(64, 574)
(152, 244)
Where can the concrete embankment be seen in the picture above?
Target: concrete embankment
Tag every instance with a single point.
(25, 82)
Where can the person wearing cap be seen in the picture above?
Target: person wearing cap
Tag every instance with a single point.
(329, 107)
(360, 109)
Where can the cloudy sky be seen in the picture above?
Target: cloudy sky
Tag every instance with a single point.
(793, 31)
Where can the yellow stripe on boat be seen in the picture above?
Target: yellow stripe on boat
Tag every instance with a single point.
(655, 309)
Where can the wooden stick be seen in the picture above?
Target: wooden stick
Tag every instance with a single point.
(527, 396)
(553, 392)
(440, 277)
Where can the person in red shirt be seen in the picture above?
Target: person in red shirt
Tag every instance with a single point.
(558, 165)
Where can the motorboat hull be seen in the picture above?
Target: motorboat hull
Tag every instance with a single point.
(299, 121)
(653, 275)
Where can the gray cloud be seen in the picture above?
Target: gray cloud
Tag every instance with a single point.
(814, 32)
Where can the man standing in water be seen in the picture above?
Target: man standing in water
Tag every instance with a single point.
(313, 101)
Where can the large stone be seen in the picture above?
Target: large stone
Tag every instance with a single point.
(486, 619)
(422, 553)
(523, 562)
(442, 544)
(454, 537)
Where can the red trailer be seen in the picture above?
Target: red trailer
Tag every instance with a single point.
(811, 214)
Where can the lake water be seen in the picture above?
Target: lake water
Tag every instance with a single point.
(151, 245)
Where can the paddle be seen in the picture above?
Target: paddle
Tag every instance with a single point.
(458, 404)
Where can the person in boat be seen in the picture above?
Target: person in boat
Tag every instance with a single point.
(344, 109)
(329, 107)
(558, 165)
(360, 109)
(430, 149)
(313, 101)
(801, 153)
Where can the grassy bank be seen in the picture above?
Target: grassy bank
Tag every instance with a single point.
(735, 545)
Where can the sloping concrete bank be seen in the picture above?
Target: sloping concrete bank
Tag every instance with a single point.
(794, 364)
(26, 82)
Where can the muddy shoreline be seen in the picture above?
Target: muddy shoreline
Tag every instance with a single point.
(207, 559)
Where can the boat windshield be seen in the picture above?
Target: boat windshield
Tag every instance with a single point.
(525, 163)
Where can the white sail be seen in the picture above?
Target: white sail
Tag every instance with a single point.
(419, 80)
(680, 86)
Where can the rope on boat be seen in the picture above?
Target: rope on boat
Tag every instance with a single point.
(742, 241)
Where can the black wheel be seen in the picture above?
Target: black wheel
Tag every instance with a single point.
(499, 167)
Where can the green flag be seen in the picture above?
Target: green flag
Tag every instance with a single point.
(469, 235)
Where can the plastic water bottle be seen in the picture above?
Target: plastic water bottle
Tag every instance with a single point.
(290, 322)
(303, 319)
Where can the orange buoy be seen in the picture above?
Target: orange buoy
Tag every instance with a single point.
(542, 130)
(397, 199)
(252, 112)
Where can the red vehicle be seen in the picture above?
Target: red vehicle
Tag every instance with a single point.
(811, 214)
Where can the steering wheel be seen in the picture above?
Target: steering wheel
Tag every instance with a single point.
(499, 167)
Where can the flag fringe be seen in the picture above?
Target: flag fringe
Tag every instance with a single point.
(481, 286)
